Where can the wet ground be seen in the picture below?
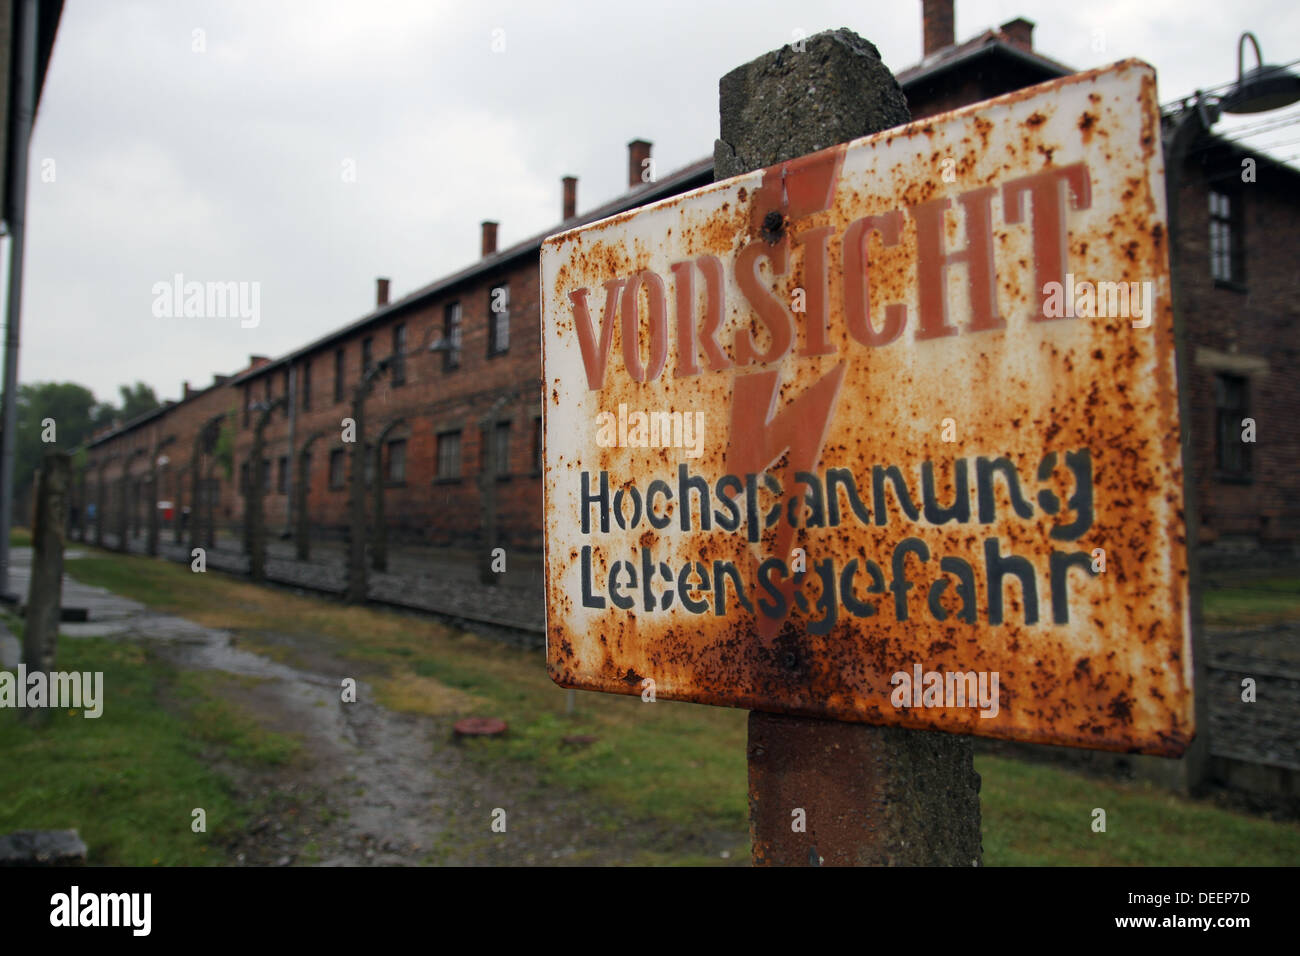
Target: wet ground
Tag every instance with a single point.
(371, 786)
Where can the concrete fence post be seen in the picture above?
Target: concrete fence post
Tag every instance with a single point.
(880, 795)
(45, 590)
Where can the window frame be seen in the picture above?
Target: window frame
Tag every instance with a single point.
(501, 456)
(1228, 420)
(452, 326)
(441, 475)
(1225, 229)
(389, 479)
(398, 368)
(498, 322)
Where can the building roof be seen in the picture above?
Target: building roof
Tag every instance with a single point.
(688, 177)
(146, 417)
(991, 46)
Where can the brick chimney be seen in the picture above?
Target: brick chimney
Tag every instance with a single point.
(937, 25)
(185, 390)
(1019, 33)
(570, 197)
(381, 292)
(489, 237)
(638, 151)
(257, 361)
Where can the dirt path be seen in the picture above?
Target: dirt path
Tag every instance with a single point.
(370, 786)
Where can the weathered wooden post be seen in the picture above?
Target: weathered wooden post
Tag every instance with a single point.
(881, 795)
(45, 590)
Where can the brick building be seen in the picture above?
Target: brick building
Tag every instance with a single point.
(459, 406)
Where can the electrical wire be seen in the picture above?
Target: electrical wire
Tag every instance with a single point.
(1208, 90)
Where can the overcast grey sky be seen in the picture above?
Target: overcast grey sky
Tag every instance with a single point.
(228, 163)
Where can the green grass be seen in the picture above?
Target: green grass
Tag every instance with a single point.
(673, 764)
(1035, 815)
(1244, 602)
(129, 780)
(215, 721)
(20, 538)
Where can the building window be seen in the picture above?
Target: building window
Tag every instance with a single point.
(287, 402)
(338, 375)
(266, 389)
(282, 475)
(266, 475)
(367, 354)
(449, 456)
(338, 468)
(499, 320)
(501, 449)
(248, 401)
(306, 385)
(1231, 406)
(451, 336)
(537, 445)
(1225, 238)
(243, 479)
(399, 354)
(396, 462)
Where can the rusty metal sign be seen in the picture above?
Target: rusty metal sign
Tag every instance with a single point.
(888, 433)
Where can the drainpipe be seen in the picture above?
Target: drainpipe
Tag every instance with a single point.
(24, 113)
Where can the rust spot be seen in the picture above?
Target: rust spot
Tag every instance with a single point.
(1019, 388)
(1087, 122)
(773, 227)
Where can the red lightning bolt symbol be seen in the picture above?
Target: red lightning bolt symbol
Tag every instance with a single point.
(759, 436)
